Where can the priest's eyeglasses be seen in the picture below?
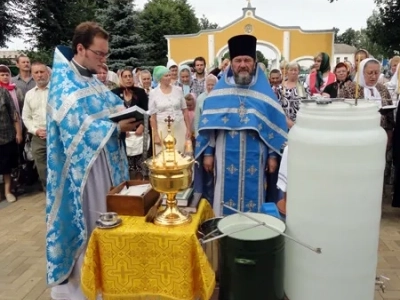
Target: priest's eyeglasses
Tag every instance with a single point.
(100, 53)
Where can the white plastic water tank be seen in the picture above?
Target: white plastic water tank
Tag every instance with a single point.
(335, 178)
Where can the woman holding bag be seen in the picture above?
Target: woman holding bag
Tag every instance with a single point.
(133, 140)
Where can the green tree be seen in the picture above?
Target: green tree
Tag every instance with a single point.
(337, 35)
(205, 23)
(164, 17)
(261, 58)
(9, 18)
(383, 26)
(349, 37)
(126, 45)
(52, 23)
(44, 56)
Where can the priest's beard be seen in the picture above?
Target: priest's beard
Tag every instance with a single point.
(243, 79)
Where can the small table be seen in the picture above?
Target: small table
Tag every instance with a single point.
(140, 260)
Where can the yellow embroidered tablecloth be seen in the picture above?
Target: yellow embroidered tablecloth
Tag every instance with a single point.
(140, 260)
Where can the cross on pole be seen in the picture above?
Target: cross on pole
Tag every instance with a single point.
(169, 120)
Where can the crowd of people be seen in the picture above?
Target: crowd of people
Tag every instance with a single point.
(237, 118)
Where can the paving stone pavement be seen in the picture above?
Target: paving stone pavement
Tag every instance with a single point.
(22, 252)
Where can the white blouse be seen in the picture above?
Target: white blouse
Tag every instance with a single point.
(164, 105)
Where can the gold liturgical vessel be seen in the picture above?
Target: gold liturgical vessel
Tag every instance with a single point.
(170, 172)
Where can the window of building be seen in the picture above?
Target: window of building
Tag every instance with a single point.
(337, 60)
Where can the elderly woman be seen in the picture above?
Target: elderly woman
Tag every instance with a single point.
(145, 81)
(210, 82)
(317, 81)
(103, 77)
(342, 73)
(290, 92)
(10, 130)
(185, 79)
(370, 89)
(165, 101)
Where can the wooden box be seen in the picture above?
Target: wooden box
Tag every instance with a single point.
(131, 205)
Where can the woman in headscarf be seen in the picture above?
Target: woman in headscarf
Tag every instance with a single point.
(392, 77)
(185, 79)
(369, 88)
(103, 77)
(10, 129)
(342, 74)
(317, 81)
(210, 82)
(133, 140)
(166, 101)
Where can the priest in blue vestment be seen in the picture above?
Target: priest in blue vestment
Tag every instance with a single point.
(242, 130)
(85, 157)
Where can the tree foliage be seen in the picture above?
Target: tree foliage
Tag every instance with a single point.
(261, 58)
(121, 20)
(165, 17)
(361, 40)
(205, 23)
(10, 17)
(383, 26)
(52, 23)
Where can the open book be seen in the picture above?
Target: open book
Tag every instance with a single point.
(387, 108)
(131, 112)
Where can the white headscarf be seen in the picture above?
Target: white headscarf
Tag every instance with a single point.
(171, 63)
(370, 92)
(394, 82)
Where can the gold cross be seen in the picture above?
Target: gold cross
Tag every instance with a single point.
(169, 120)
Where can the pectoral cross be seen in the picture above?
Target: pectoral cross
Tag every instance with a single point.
(169, 120)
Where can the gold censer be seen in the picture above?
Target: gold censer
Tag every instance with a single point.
(170, 172)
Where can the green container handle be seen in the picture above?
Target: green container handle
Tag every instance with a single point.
(245, 261)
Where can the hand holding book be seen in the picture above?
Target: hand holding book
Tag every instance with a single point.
(128, 124)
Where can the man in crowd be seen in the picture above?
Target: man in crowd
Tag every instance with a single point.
(85, 156)
(24, 80)
(34, 117)
(275, 79)
(242, 131)
(199, 76)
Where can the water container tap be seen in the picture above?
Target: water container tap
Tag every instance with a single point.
(380, 281)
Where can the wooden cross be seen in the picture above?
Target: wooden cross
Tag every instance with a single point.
(169, 120)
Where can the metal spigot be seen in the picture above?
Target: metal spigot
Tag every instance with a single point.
(380, 282)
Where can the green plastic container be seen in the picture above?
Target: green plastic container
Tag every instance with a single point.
(252, 260)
